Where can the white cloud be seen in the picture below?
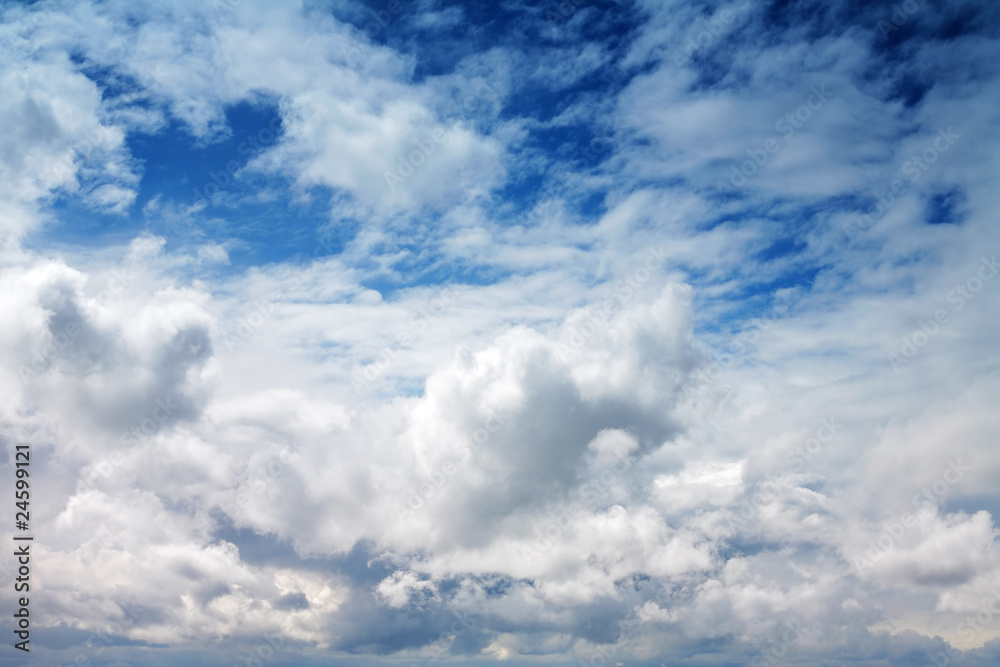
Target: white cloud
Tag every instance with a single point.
(610, 419)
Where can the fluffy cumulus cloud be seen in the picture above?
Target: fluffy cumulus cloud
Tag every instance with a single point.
(591, 332)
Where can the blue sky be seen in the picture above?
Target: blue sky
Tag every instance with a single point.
(650, 332)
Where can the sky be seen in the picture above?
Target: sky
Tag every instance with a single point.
(424, 332)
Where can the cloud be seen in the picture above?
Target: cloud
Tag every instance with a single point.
(548, 340)
(62, 143)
